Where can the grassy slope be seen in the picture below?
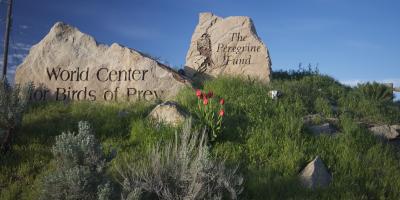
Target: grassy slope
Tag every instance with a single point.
(266, 138)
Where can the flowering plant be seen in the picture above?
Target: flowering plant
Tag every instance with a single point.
(211, 112)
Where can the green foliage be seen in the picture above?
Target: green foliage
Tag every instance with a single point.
(13, 102)
(182, 169)
(265, 137)
(368, 110)
(210, 111)
(272, 145)
(375, 91)
(79, 168)
(324, 107)
(300, 73)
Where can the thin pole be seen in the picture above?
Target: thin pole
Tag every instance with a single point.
(7, 38)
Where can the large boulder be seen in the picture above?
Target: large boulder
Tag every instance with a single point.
(315, 174)
(227, 46)
(385, 131)
(168, 113)
(70, 65)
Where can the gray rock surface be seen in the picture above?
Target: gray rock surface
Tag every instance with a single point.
(168, 113)
(70, 65)
(325, 128)
(315, 174)
(385, 131)
(227, 46)
(313, 118)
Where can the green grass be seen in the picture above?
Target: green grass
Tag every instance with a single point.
(265, 137)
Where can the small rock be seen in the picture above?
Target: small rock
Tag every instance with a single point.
(315, 174)
(325, 128)
(312, 119)
(169, 113)
(318, 119)
(123, 113)
(397, 127)
(385, 131)
(335, 108)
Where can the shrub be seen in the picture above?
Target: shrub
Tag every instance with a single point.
(375, 91)
(79, 168)
(182, 169)
(13, 101)
(300, 73)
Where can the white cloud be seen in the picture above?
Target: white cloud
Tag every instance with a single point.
(23, 26)
(21, 46)
(362, 44)
(354, 82)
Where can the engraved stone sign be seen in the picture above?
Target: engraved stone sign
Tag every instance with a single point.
(70, 65)
(228, 46)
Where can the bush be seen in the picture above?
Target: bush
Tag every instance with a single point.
(375, 91)
(79, 168)
(13, 101)
(182, 169)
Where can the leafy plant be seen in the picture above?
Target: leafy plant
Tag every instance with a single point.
(211, 112)
(182, 169)
(80, 168)
(13, 102)
(375, 91)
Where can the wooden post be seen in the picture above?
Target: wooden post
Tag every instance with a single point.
(7, 38)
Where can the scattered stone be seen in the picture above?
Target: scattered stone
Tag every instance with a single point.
(318, 119)
(315, 175)
(123, 113)
(227, 46)
(385, 131)
(335, 108)
(313, 119)
(70, 65)
(397, 127)
(325, 128)
(169, 113)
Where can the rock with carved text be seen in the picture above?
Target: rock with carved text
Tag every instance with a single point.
(70, 65)
(227, 46)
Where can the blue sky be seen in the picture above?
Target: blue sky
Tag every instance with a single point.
(351, 40)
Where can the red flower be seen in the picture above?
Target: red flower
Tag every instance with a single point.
(210, 94)
(205, 101)
(198, 93)
(222, 101)
(221, 113)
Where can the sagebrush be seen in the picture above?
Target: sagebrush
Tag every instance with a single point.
(13, 102)
(79, 168)
(182, 169)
